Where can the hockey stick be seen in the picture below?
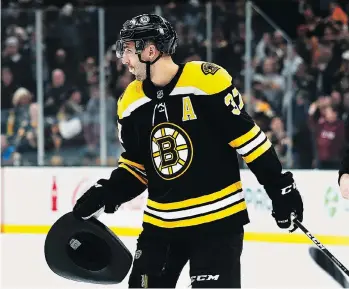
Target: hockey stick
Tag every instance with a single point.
(319, 245)
(328, 266)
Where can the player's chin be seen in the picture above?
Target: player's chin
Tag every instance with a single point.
(139, 77)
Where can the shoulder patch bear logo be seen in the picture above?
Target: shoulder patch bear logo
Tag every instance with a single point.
(209, 68)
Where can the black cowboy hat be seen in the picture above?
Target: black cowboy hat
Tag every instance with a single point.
(86, 251)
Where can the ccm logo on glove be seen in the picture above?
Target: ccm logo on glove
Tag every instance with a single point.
(288, 189)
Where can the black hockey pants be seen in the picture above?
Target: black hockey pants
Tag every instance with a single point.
(214, 262)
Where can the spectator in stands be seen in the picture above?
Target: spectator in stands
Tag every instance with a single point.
(88, 72)
(22, 122)
(12, 58)
(19, 114)
(61, 62)
(279, 46)
(8, 87)
(329, 133)
(114, 70)
(279, 138)
(55, 94)
(303, 44)
(28, 132)
(304, 84)
(262, 49)
(71, 107)
(68, 34)
(324, 67)
(290, 66)
(92, 125)
(273, 84)
(66, 131)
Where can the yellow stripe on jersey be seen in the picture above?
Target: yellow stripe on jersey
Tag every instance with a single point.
(139, 177)
(193, 79)
(252, 144)
(196, 201)
(245, 137)
(126, 161)
(196, 220)
(257, 152)
(132, 98)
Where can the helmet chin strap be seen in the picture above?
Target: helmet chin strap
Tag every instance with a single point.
(148, 63)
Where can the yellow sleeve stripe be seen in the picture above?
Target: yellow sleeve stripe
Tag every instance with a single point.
(245, 137)
(131, 163)
(142, 180)
(257, 152)
(196, 201)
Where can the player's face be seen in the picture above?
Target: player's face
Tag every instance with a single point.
(130, 58)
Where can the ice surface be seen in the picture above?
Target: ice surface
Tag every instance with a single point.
(264, 265)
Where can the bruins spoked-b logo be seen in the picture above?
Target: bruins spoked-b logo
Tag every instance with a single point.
(172, 150)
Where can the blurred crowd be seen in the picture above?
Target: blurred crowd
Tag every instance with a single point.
(318, 66)
(71, 84)
(319, 88)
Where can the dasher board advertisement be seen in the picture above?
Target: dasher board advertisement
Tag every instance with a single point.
(33, 201)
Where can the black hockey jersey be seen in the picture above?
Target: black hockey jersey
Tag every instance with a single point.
(181, 143)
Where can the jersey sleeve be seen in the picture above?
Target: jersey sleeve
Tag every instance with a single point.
(239, 131)
(130, 159)
(129, 179)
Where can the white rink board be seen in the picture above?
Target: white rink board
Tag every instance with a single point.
(27, 199)
(263, 266)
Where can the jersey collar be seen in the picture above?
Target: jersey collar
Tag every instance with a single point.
(157, 92)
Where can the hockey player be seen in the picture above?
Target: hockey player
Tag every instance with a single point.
(181, 127)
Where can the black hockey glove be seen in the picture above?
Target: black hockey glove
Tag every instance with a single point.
(286, 199)
(94, 199)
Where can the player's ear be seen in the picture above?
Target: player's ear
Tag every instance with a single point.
(151, 52)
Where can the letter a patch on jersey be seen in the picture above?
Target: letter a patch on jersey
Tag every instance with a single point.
(188, 110)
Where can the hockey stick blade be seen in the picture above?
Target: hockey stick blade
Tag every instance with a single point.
(329, 267)
(323, 249)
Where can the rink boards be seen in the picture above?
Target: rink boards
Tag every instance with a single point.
(28, 204)
(28, 210)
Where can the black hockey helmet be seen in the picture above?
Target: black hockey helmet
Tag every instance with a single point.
(86, 251)
(148, 27)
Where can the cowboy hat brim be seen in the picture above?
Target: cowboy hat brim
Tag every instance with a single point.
(86, 251)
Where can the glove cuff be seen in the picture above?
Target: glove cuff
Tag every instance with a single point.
(110, 199)
(281, 186)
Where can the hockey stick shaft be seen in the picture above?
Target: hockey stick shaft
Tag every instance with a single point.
(321, 246)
